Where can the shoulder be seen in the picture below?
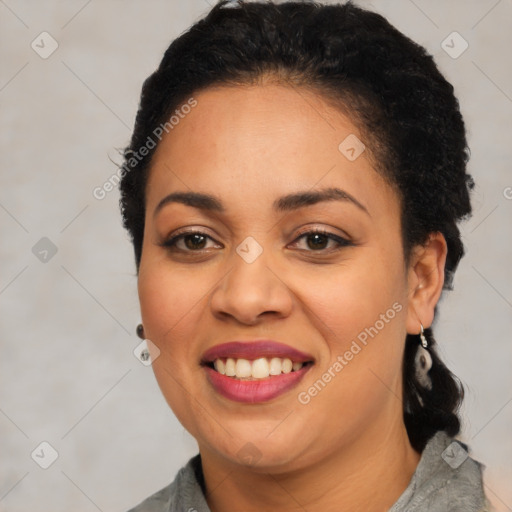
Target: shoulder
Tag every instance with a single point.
(157, 502)
(446, 479)
(183, 494)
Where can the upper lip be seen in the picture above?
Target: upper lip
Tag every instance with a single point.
(254, 350)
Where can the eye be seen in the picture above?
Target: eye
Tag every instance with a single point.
(317, 240)
(194, 241)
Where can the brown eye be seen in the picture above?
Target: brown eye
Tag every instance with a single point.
(191, 241)
(194, 241)
(318, 240)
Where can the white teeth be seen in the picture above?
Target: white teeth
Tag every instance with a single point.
(287, 365)
(275, 366)
(220, 366)
(230, 367)
(296, 366)
(243, 368)
(260, 368)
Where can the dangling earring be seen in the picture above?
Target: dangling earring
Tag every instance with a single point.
(141, 352)
(423, 362)
(424, 343)
(146, 351)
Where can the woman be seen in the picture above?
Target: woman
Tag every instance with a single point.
(292, 189)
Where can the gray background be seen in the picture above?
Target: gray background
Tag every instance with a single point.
(68, 374)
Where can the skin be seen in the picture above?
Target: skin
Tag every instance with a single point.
(250, 145)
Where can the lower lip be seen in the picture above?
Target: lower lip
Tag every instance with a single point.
(254, 391)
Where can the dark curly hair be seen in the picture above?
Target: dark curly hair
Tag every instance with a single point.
(388, 85)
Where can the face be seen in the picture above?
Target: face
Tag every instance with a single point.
(322, 278)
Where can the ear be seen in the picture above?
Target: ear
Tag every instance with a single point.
(425, 277)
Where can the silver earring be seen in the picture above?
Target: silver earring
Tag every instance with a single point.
(424, 343)
(423, 362)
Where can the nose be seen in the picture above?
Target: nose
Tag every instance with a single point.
(251, 290)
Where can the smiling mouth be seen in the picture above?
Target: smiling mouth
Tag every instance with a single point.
(256, 369)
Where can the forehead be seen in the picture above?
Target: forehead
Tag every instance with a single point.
(254, 143)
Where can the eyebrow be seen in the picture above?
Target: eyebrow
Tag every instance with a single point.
(286, 203)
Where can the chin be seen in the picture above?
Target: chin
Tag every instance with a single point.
(257, 449)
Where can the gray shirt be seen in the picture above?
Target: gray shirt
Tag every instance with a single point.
(446, 479)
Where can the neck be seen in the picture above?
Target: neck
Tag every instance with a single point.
(369, 475)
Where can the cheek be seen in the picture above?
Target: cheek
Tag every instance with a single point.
(361, 317)
(167, 296)
(359, 309)
(347, 299)
(170, 303)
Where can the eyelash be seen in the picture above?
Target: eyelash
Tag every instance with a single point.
(342, 242)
